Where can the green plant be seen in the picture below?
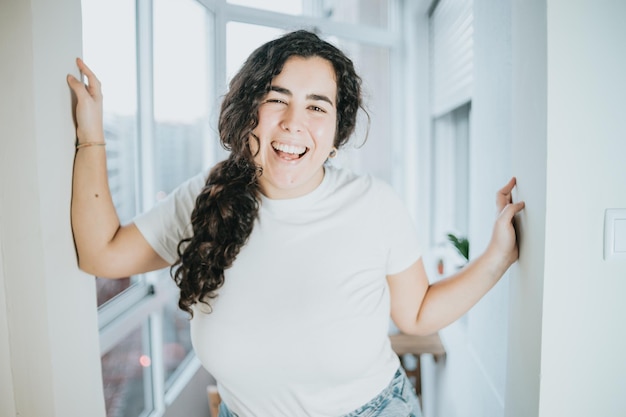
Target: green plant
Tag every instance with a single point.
(461, 244)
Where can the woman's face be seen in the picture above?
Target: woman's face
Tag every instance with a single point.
(296, 130)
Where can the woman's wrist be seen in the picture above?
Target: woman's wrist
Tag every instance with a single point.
(89, 135)
(496, 261)
(87, 144)
(100, 142)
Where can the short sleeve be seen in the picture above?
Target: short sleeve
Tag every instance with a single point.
(400, 234)
(169, 221)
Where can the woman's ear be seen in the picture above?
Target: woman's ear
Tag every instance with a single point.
(254, 144)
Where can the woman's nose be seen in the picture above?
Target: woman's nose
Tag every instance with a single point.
(293, 120)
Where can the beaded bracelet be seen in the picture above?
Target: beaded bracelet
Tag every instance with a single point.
(86, 144)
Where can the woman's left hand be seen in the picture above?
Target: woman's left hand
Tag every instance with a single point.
(503, 244)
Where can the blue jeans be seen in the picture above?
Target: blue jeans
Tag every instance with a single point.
(397, 400)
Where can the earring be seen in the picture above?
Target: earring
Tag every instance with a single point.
(333, 153)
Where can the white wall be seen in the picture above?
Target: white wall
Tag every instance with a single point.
(566, 338)
(48, 312)
(583, 368)
(7, 399)
(528, 158)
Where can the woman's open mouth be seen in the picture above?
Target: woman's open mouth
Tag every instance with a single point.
(289, 152)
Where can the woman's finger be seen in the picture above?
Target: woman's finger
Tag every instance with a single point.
(77, 86)
(506, 190)
(93, 84)
(504, 196)
(510, 210)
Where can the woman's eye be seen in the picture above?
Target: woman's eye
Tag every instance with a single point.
(274, 100)
(317, 109)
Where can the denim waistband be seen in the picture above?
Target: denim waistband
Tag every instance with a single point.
(398, 399)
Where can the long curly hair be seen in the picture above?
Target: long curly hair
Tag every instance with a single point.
(228, 205)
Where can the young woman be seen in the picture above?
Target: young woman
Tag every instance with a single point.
(288, 266)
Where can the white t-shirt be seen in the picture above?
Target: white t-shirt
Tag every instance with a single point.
(300, 326)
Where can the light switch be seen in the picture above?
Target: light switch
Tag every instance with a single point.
(615, 234)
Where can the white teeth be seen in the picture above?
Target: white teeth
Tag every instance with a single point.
(296, 150)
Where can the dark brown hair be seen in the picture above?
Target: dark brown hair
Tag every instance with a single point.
(227, 207)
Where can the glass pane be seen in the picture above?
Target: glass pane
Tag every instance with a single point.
(450, 174)
(126, 376)
(365, 12)
(241, 40)
(111, 54)
(293, 7)
(183, 131)
(107, 289)
(176, 335)
(375, 156)
(181, 92)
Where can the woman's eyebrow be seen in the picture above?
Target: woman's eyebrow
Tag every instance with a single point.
(287, 92)
(319, 97)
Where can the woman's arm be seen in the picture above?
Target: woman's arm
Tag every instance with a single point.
(104, 247)
(420, 308)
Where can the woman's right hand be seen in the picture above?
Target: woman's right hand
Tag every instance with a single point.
(89, 126)
(104, 247)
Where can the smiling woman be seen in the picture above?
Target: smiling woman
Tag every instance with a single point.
(269, 103)
(296, 130)
(254, 245)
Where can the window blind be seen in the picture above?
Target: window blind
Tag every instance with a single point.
(451, 55)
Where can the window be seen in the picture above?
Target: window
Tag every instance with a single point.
(241, 40)
(281, 6)
(451, 83)
(120, 106)
(145, 341)
(371, 148)
(451, 174)
(126, 374)
(181, 93)
(373, 13)
(451, 40)
(366, 12)
(164, 68)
